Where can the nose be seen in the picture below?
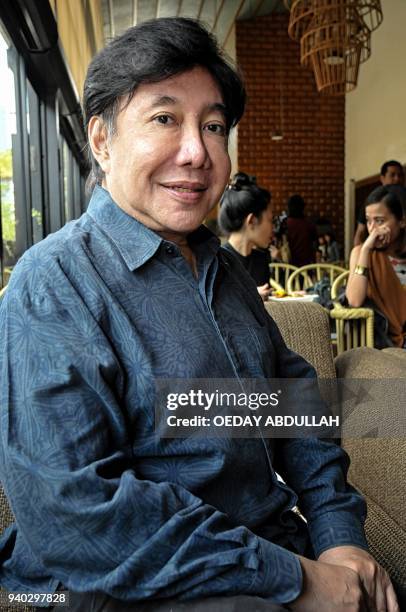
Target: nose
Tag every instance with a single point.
(192, 149)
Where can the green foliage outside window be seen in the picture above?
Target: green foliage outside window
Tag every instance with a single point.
(8, 221)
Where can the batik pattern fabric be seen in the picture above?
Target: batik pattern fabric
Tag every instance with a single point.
(92, 316)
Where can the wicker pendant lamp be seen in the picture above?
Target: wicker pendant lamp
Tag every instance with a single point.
(301, 14)
(335, 38)
(370, 12)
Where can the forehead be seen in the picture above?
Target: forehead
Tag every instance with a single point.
(377, 210)
(394, 170)
(195, 87)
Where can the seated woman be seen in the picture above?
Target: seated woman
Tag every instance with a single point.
(378, 266)
(245, 216)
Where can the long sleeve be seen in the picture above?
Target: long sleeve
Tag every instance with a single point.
(316, 470)
(69, 470)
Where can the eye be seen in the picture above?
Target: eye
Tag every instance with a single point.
(164, 119)
(216, 128)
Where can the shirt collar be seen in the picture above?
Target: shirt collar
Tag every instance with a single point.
(136, 242)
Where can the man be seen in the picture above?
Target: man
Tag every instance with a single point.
(301, 232)
(391, 174)
(137, 290)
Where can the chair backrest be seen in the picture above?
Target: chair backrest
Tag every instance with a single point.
(354, 326)
(306, 330)
(6, 516)
(306, 276)
(280, 273)
(2, 292)
(339, 282)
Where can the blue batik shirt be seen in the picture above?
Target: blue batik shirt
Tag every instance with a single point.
(92, 316)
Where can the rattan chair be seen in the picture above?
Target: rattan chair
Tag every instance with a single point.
(354, 326)
(306, 276)
(280, 273)
(2, 291)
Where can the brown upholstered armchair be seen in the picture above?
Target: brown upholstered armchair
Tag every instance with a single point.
(378, 465)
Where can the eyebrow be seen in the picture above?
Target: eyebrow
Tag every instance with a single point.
(170, 101)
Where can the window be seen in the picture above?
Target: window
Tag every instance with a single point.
(8, 131)
(40, 176)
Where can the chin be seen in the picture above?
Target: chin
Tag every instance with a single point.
(186, 227)
(186, 224)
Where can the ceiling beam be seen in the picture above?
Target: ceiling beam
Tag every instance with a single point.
(217, 15)
(135, 12)
(199, 12)
(258, 8)
(111, 17)
(234, 19)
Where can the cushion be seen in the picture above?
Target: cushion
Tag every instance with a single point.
(305, 327)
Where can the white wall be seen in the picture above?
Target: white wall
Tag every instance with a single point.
(230, 49)
(376, 109)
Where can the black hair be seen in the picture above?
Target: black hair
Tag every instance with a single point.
(151, 52)
(296, 205)
(388, 197)
(238, 201)
(391, 162)
(243, 179)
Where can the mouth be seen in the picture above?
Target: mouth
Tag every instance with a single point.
(185, 191)
(185, 186)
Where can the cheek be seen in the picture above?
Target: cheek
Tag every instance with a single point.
(394, 231)
(224, 166)
(218, 153)
(263, 230)
(221, 169)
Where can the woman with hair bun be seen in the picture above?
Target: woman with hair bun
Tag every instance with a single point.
(246, 217)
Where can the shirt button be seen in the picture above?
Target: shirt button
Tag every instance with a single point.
(170, 249)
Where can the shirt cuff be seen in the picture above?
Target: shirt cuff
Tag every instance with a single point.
(279, 576)
(337, 529)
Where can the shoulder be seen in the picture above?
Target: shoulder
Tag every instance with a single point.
(238, 275)
(231, 258)
(49, 261)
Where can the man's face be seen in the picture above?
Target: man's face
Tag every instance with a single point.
(167, 163)
(393, 176)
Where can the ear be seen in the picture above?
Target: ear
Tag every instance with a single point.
(251, 220)
(99, 142)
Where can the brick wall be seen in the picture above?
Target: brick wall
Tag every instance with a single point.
(310, 158)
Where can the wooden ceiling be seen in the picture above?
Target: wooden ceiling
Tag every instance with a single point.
(218, 15)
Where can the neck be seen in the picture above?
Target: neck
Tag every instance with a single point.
(181, 241)
(240, 243)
